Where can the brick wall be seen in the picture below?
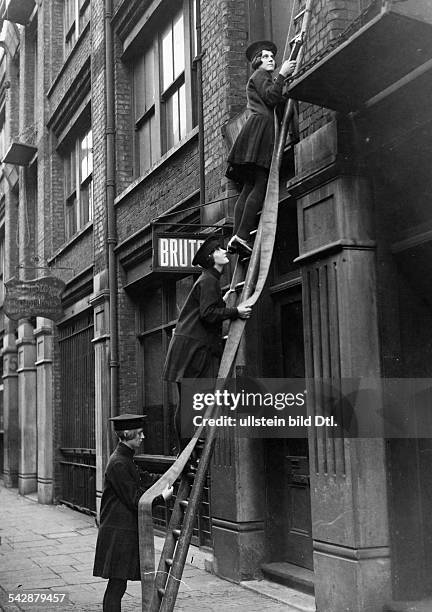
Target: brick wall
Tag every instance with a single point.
(124, 122)
(169, 184)
(225, 72)
(329, 19)
(98, 125)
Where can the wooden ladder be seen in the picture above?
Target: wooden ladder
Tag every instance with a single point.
(160, 588)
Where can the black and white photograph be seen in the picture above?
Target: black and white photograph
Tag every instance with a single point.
(215, 305)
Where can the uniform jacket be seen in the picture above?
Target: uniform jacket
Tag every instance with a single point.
(117, 547)
(254, 144)
(199, 326)
(264, 93)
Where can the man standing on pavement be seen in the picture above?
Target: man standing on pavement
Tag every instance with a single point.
(196, 346)
(117, 546)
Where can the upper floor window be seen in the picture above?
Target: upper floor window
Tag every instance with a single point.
(78, 169)
(76, 15)
(164, 87)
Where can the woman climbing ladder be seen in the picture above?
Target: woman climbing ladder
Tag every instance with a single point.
(250, 157)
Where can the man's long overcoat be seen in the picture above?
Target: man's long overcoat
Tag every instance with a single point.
(117, 547)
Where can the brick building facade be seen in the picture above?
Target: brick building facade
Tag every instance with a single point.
(114, 151)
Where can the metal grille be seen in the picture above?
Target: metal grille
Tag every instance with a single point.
(78, 470)
(202, 532)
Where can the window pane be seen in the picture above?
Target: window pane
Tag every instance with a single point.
(86, 156)
(71, 218)
(153, 309)
(145, 137)
(139, 87)
(194, 42)
(83, 155)
(182, 111)
(152, 375)
(84, 15)
(90, 151)
(172, 120)
(69, 172)
(178, 35)
(149, 82)
(86, 199)
(167, 58)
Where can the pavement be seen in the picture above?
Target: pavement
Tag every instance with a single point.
(49, 550)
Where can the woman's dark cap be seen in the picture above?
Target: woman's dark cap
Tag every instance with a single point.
(209, 245)
(128, 421)
(258, 46)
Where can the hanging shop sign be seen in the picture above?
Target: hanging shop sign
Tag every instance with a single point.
(40, 297)
(174, 252)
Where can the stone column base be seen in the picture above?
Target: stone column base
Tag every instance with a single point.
(239, 547)
(340, 570)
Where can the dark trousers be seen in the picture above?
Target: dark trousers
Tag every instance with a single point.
(249, 203)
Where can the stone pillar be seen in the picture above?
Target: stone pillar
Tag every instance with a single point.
(44, 358)
(10, 356)
(100, 302)
(27, 407)
(237, 485)
(237, 506)
(348, 476)
(10, 406)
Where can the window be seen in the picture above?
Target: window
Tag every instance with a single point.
(164, 85)
(78, 168)
(158, 315)
(75, 16)
(270, 19)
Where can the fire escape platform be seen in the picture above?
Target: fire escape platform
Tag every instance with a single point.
(385, 49)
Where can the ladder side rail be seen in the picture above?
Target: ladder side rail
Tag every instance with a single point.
(234, 336)
(174, 578)
(255, 278)
(145, 518)
(267, 228)
(169, 547)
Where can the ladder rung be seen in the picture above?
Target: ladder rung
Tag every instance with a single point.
(300, 14)
(240, 284)
(176, 533)
(253, 232)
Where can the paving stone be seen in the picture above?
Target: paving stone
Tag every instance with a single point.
(53, 547)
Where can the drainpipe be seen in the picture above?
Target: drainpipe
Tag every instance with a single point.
(110, 194)
(200, 106)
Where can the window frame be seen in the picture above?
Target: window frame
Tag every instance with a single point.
(75, 184)
(157, 112)
(72, 27)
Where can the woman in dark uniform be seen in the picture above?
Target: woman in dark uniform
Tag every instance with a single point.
(196, 346)
(250, 156)
(117, 547)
